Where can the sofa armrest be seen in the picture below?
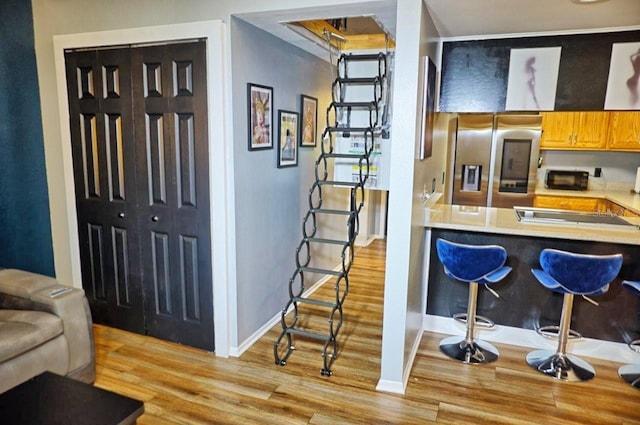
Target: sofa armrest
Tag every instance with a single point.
(21, 290)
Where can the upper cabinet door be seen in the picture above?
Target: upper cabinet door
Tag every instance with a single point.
(591, 130)
(557, 130)
(624, 131)
(574, 130)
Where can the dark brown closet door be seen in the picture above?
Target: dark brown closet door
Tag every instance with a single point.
(103, 150)
(170, 115)
(140, 156)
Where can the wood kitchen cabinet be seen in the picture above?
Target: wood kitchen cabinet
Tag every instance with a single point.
(624, 131)
(567, 203)
(609, 207)
(574, 130)
(578, 203)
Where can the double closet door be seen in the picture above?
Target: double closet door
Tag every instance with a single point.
(138, 119)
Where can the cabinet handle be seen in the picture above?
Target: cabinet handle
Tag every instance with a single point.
(154, 218)
(121, 215)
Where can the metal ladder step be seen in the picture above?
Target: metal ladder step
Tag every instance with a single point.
(357, 58)
(338, 183)
(315, 335)
(314, 301)
(358, 80)
(321, 271)
(327, 241)
(344, 155)
(351, 129)
(364, 105)
(329, 211)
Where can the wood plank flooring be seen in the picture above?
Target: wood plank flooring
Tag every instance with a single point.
(183, 385)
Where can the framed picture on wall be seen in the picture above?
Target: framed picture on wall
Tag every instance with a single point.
(623, 85)
(260, 116)
(308, 121)
(428, 107)
(287, 139)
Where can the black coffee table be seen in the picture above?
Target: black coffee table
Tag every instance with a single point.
(50, 399)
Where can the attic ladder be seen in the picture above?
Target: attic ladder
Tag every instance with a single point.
(358, 121)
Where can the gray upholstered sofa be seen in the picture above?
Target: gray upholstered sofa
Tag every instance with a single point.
(44, 326)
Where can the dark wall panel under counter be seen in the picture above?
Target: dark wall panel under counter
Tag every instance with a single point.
(475, 73)
(525, 303)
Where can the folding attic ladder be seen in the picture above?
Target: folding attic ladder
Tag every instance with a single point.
(342, 113)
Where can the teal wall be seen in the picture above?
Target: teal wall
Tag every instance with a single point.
(25, 227)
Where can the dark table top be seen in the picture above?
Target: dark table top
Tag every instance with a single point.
(50, 399)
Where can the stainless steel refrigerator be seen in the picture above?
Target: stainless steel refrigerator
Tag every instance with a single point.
(496, 160)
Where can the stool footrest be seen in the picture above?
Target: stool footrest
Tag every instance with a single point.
(472, 352)
(481, 321)
(560, 366)
(635, 345)
(551, 332)
(630, 374)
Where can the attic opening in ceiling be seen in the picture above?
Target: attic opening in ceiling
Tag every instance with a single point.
(351, 33)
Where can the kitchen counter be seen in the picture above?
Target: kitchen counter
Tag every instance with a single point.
(524, 304)
(504, 221)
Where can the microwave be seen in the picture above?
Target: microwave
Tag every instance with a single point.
(567, 180)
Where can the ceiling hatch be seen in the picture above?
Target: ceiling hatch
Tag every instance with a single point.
(352, 33)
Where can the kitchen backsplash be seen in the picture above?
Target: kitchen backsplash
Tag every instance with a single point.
(618, 168)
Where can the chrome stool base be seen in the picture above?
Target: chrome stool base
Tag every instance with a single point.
(630, 374)
(560, 366)
(472, 352)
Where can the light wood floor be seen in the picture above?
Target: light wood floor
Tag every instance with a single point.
(182, 385)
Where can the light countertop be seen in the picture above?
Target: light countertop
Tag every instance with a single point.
(504, 221)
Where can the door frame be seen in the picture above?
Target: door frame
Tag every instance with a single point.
(220, 169)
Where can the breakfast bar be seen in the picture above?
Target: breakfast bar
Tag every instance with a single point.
(523, 303)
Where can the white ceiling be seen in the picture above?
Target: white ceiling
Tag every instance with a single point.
(467, 18)
(464, 19)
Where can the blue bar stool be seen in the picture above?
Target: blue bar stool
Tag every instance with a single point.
(631, 373)
(571, 274)
(474, 264)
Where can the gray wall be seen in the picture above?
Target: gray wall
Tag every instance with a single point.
(270, 202)
(24, 202)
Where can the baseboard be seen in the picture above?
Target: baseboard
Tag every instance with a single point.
(247, 343)
(396, 387)
(368, 241)
(412, 357)
(606, 350)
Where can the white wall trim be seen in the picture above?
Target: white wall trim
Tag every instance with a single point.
(394, 387)
(606, 350)
(221, 170)
(275, 320)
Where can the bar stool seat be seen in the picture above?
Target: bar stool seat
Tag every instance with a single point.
(473, 264)
(631, 373)
(571, 274)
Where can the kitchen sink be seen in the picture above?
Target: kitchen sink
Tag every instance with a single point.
(553, 216)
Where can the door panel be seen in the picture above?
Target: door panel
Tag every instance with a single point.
(172, 165)
(101, 123)
(138, 121)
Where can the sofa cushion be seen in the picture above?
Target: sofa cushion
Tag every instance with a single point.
(23, 330)
(22, 284)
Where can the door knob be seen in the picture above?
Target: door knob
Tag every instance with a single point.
(121, 215)
(154, 218)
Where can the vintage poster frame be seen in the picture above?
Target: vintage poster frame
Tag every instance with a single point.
(288, 131)
(308, 121)
(259, 100)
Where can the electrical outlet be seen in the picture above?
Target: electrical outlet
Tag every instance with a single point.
(597, 172)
